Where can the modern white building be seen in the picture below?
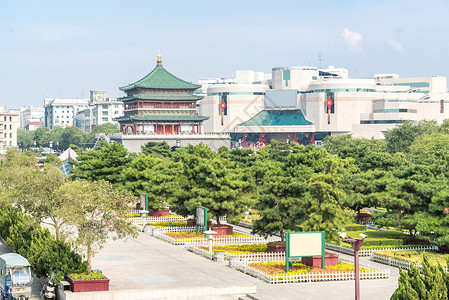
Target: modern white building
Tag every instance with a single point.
(31, 117)
(306, 104)
(60, 112)
(9, 122)
(241, 102)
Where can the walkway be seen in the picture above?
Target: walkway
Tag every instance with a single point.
(149, 263)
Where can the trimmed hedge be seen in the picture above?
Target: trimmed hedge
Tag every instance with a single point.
(377, 247)
(383, 242)
(355, 227)
(26, 236)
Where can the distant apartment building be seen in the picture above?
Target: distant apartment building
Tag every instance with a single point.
(61, 112)
(101, 110)
(31, 117)
(9, 122)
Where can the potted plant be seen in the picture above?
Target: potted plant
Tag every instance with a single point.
(222, 229)
(81, 282)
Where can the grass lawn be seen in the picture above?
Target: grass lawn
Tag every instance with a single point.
(378, 238)
(416, 256)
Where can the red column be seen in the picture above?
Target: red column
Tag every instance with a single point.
(244, 139)
(199, 128)
(313, 138)
(193, 128)
(295, 138)
(134, 129)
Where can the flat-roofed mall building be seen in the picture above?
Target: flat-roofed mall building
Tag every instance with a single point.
(298, 106)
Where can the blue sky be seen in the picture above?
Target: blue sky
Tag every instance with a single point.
(63, 49)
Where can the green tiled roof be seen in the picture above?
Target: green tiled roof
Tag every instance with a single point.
(278, 118)
(162, 97)
(160, 78)
(162, 118)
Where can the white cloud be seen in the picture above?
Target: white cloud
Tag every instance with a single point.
(395, 45)
(352, 39)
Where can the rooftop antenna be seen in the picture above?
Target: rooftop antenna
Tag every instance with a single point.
(320, 59)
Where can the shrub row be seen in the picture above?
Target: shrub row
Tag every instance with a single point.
(355, 227)
(25, 236)
(383, 242)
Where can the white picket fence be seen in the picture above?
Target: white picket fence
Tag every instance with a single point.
(310, 277)
(248, 258)
(237, 258)
(203, 241)
(369, 252)
(199, 251)
(143, 221)
(396, 262)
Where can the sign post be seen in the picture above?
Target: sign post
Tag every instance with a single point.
(201, 218)
(303, 244)
(143, 205)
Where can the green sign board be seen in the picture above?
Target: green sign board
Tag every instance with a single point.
(303, 244)
(201, 218)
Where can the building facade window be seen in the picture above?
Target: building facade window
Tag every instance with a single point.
(286, 76)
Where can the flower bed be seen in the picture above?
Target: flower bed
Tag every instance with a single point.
(369, 250)
(88, 283)
(151, 220)
(167, 224)
(238, 249)
(187, 235)
(274, 272)
(192, 234)
(179, 237)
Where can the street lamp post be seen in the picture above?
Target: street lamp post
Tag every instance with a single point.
(210, 237)
(356, 245)
(50, 144)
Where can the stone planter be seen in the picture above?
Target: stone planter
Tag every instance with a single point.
(330, 259)
(443, 249)
(192, 223)
(159, 212)
(364, 216)
(417, 242)
(273, 247)
(92, 285)
(222, 229)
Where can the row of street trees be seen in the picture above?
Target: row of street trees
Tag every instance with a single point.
(86, 210)
(61, 138)
(295, 187)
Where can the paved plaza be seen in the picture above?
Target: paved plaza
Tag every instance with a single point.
(150, 263)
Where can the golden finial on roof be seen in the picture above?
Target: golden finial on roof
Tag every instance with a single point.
(159, 58)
